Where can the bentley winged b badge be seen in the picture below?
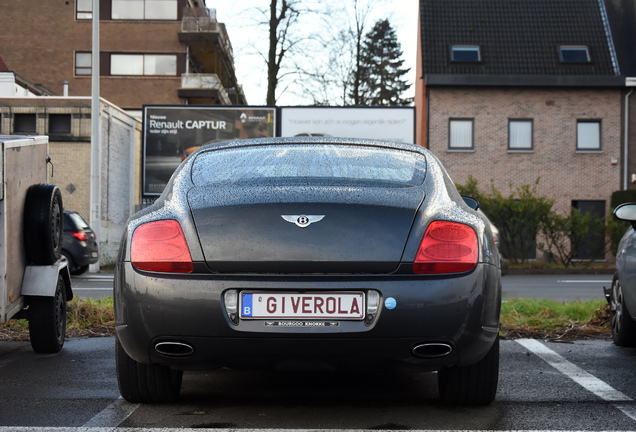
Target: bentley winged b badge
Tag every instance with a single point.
(303, 221)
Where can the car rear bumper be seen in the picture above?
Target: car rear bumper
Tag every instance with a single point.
(181, 321)
(83, 254)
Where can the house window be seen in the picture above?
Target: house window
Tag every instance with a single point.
(143, 64)
(144, 10)
(83, 64)
(592, 245)
(574, 54)
(84, 9)
(460, 134)
(465, 53)
(588, 135)
(59, 124)
(520, 135)
(24, 123)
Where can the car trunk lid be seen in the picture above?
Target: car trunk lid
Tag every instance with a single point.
(293, 229)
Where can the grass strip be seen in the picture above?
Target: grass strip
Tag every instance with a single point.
(547, 319)
(541, 319)
(84, 318)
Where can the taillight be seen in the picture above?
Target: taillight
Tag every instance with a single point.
(447, 247)
(79, 235)
(161, 247)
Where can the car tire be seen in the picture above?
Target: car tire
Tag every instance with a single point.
(47, 320)
(79, 270)
(145, 383)
(69, 260)
(471, 385)
(623, 327)
(43, 222)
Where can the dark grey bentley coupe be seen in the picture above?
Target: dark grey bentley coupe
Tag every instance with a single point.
(296, 251)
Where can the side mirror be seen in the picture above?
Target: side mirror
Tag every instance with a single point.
(471, 202)
(626, 212)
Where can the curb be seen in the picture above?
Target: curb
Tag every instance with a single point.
(547, 271)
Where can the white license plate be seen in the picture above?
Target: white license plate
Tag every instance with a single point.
(265, 305)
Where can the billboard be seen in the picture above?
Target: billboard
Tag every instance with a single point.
(384, 123)
(171, 132)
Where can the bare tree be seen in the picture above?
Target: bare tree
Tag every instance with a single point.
(282, 16)
(338, 79)
(361, 10)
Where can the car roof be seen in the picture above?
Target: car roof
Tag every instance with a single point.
(319, 140)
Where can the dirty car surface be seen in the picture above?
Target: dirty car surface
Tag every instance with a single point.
(310, 251)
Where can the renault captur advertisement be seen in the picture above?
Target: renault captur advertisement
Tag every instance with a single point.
(172, 132)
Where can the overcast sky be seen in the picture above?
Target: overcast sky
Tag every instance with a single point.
(245, 34)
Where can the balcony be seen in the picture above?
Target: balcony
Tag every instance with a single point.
(198, 28)
(203, 88)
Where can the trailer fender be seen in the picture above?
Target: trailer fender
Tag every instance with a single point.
(41, 280)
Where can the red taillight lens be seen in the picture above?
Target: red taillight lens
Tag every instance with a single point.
(161, 247)
(447, 247)
(79, 235)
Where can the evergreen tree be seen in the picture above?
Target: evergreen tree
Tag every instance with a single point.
(380, 72)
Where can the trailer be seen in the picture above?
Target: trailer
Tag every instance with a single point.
(35, 282)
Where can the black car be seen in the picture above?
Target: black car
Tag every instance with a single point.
(79, 244)
(303, 251)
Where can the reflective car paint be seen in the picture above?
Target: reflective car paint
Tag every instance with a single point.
(79, 243)
(245, 244)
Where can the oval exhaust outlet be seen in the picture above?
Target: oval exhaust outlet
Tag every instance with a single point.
(432, 350)
(174, 349)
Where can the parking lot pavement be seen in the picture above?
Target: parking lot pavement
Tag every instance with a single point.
(585, 385)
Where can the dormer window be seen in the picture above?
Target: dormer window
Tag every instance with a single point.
(574, 54)
(465, 53)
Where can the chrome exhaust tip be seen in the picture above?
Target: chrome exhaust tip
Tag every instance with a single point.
(432, 350)
(174, 349)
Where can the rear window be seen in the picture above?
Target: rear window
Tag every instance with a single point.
(307, 164)
(74, 221)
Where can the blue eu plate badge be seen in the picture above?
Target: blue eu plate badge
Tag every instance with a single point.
(246, 305)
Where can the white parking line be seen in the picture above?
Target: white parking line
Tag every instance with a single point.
(95, 276)
(566, 281)
(113, 415)
(92, 289)
(581, 377)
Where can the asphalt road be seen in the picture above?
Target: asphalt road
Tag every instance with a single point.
(554, 287)
(587, 385)
(560, 287)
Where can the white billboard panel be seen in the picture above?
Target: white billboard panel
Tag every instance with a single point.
(383, 123)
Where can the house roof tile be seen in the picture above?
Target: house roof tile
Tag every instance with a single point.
(516, 37)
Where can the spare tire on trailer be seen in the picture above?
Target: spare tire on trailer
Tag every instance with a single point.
(43, 224)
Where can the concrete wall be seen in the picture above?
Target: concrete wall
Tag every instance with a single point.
(120, 141)
(118, 159)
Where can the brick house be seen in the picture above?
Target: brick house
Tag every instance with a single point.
(515, 91)
(152, 51)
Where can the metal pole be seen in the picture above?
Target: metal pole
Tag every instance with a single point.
(95, 192)
(626, 143)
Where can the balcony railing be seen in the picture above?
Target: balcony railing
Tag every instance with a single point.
(205, 82)
(199, 20)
